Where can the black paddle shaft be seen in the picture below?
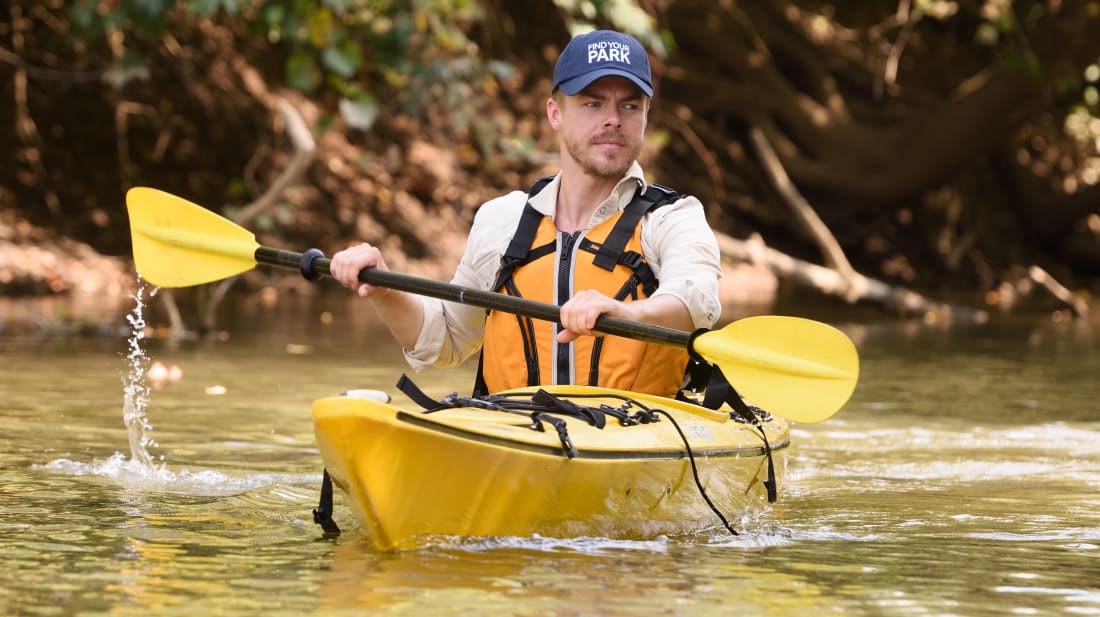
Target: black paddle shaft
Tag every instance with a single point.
(313, 262)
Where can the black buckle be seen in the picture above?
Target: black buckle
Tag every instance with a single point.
(632, 260)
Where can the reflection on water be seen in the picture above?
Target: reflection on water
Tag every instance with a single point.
(962, 479)
(585, 576)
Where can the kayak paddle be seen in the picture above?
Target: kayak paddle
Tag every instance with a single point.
(796, 368)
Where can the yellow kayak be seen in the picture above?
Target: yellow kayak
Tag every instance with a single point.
(560, 461)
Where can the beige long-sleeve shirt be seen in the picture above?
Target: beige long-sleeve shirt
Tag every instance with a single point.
(678, 244)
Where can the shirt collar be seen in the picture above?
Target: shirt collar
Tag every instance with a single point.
(546, 200)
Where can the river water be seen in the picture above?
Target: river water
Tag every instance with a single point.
(963, 478)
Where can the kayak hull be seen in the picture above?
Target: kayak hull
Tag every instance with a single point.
(412, 477)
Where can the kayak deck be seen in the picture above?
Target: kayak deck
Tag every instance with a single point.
(410, 476)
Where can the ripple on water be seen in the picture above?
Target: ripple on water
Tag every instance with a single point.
(202, 482)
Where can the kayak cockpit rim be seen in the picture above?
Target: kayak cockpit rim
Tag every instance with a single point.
(423, 420)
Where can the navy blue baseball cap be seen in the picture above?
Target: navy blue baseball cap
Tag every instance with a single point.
(601, 53)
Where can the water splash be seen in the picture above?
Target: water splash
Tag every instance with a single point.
(135, 385)
(197, 482)
(588, 545)
(142, 470)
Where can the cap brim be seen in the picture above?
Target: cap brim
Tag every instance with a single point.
(580, 82)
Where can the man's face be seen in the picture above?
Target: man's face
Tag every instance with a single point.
(602, 126)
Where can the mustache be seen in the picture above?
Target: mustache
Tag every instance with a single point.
(614, 137)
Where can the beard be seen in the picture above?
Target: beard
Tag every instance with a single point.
(611, 165)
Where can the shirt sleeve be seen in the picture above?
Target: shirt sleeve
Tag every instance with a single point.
(681, 248)
(452, 332)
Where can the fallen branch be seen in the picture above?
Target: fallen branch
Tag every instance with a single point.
(852, 287)
(178, 327)
(304, 148)
(1075, 304)
(804, 213)
(838, 277)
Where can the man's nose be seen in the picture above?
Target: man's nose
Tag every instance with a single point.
(613, 117)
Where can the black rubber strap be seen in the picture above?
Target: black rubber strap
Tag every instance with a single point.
(413, 391)
(322, 514)
(741, 409)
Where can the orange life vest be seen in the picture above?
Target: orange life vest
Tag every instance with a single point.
(544, 264)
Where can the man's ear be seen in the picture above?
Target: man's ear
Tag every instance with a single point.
(553, 113)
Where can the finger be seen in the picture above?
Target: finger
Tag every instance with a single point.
(348, 263)
(577, 321)
(592, 316)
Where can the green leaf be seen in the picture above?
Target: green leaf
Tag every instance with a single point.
(501, 69)
(302, 72)
(343, 60)
(203, 7)
(321, 24)
(629, 17)
(359, 113)
(1023, 62)
(82, 15)
(153, 7)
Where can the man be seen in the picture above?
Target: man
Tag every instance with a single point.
(599, 105)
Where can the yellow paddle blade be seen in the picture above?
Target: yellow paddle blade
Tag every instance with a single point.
(799, 369)
(179, 244)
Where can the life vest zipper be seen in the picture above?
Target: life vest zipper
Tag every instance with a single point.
(563, 354)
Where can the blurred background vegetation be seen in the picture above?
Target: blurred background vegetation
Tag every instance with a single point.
(949, 147)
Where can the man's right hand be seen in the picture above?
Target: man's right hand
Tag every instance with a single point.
(346, 265)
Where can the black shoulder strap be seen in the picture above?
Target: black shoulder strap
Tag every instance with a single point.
(652, 198)
(516, 254)
(539, 184)
(520, 245)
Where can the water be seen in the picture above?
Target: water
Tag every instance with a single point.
(962, 479)
(136, 384)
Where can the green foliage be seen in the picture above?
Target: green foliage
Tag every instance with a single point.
(364, 51)
(141, 20)
(623, 15)
(359, 49)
